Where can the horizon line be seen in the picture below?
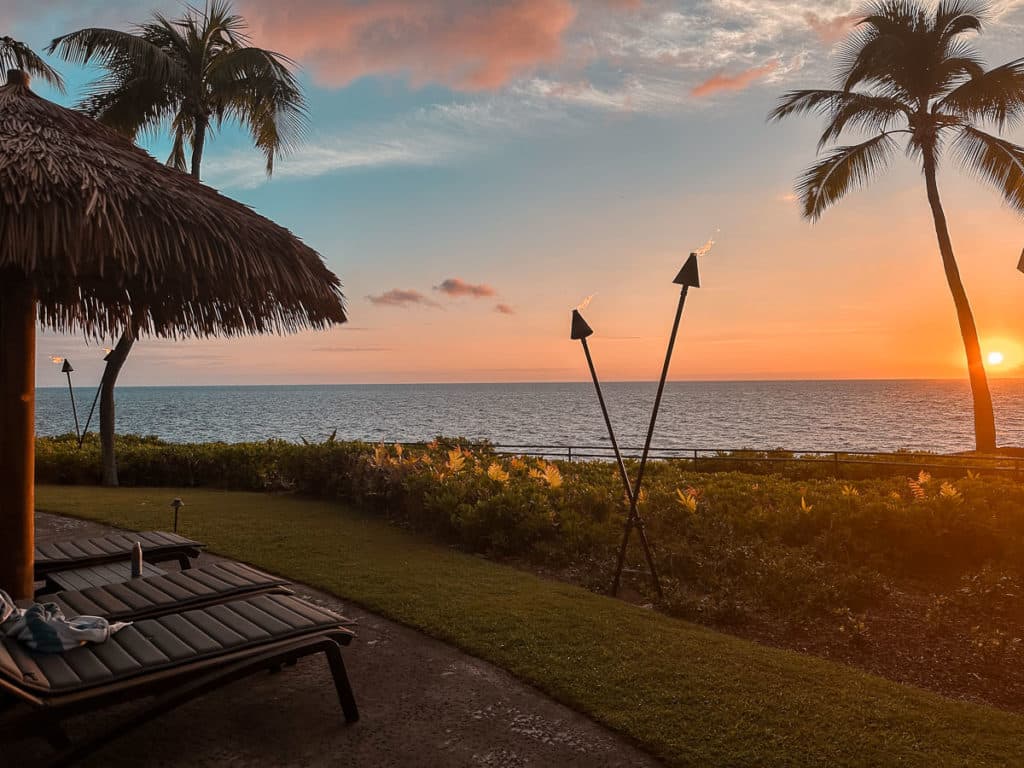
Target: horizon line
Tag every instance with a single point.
(549, 382)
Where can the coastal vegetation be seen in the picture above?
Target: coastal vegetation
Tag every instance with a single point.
(914, 575)
(689, 695)
(908, 72)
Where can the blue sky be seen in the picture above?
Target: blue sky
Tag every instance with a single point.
(545, 150)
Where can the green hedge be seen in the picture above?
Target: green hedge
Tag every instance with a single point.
(728, 543)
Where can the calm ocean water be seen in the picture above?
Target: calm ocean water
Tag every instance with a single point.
(801, 415)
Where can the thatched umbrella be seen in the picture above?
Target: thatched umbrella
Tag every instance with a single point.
(94, 234)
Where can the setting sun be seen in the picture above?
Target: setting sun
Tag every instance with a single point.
(995, 358)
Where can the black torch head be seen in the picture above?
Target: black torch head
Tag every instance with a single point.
(580, 329)
(66, 368)
(689, 276)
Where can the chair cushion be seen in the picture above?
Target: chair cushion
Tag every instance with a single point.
(176, 639)
(55, 554)
(175, 591)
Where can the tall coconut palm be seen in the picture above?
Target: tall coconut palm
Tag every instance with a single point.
(17, 55)
(190, 74)
(908, 72)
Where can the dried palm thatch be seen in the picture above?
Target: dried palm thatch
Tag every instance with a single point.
(106, 234)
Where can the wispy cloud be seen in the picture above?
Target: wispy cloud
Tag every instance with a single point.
(831, 29)
(399, 297)
(457, 287)
(435, 135)
(738, 81)
(504, 309)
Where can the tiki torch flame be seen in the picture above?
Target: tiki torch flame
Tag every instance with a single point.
(585, 303)
(705, 249)
(56, 360)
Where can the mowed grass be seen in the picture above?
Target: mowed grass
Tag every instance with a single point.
(689, 695)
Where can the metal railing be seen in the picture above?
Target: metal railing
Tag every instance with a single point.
(836, 460)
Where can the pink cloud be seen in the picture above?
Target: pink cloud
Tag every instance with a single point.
(400, 297)
(453, 286)
(738, 82)
(831, 30)
(504, 309)
(470, 45)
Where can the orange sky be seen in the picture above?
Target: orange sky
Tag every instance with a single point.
(588, 155)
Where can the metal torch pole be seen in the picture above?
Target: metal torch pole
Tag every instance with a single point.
(66, 369)
(608, 421)
(687, 278)
(92, 408)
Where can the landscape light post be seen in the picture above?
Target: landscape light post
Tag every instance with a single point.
(687, 278)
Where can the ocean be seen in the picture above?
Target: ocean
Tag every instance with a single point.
(796, 415)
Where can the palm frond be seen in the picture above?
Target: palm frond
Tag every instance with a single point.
(954, 17)
(113, 46)
(16, 55)
(996, 160)
(843, 109)
(996, 95)
(181, 133)
(844, 169)
(257, 88)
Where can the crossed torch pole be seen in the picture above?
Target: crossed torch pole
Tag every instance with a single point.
(687, 278)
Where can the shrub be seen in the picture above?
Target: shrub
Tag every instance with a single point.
(727, 542)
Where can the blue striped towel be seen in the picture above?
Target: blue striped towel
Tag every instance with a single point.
(43, 627)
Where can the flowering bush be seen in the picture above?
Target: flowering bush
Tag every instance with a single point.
(727, 543)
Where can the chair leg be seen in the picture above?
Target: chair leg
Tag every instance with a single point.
(341, 683)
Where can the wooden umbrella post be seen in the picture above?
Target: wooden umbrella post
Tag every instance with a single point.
(17, 433)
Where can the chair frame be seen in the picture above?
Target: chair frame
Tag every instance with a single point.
(171, 687)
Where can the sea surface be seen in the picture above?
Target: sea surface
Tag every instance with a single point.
(797, 415)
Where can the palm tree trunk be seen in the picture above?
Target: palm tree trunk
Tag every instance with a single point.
(198, 142)
(115, 360)
(117, 357)
(984, 417)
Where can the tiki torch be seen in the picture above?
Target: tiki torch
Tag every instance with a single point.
(580, 331)
(1020, 264)
(687, 278)
(96, 397)
(67, 370)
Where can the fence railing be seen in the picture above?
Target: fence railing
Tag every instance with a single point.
(834, 460)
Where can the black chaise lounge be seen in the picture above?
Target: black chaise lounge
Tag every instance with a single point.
(172, 592)
(173, 659)
(157, 547)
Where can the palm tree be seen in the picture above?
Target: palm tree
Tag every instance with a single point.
(17, 55)
(191, 74)
(907, 72)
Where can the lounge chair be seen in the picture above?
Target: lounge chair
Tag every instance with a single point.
(173, 658)
(169, 593)
(157, 547)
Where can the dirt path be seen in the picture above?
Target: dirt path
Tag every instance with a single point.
(422, 702)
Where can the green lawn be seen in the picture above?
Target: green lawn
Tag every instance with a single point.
(687, 694)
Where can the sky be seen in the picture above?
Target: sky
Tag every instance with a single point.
(475, 169)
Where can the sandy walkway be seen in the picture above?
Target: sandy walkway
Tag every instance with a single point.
(422, 702)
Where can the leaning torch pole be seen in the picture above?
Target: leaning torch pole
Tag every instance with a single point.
(66, 369)
(580, 331)
(687, 278)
